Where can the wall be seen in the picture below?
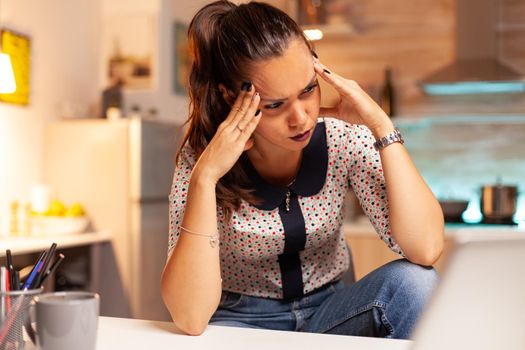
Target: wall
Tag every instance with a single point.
(510, 32)
(160, 96)
(416, 38)
(63, 66)
(413, 38)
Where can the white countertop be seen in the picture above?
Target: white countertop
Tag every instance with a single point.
(119, 333)
(34, 243)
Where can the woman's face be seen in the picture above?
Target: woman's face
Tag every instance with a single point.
(290, 100)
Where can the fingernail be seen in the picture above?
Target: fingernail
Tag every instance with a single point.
(314, 54)
(258, 112)
(326, 71)
(246, 86)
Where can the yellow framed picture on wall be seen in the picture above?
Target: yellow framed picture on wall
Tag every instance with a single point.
(18, 47)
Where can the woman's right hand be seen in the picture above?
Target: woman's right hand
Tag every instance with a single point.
(232, 138)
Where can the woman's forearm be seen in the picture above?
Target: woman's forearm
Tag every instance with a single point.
(416, 219)
(191, 281)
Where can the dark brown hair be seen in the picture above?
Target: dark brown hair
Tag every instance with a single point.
(225, 41)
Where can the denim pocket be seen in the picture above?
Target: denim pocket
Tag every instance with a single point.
(230, 300)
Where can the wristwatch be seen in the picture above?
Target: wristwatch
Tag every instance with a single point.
(394, 136)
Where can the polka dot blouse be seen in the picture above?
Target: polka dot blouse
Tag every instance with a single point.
(293, 243)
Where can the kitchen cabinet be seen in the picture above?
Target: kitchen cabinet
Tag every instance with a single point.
(370, 252)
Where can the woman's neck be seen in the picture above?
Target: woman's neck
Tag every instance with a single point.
(277, 168)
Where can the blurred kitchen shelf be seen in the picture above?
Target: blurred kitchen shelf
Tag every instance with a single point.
(33, 244)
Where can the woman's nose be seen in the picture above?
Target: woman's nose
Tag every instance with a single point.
(298, 115)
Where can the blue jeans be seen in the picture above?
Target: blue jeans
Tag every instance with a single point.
(385, 303)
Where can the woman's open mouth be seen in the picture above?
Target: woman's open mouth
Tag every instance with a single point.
(301, 137)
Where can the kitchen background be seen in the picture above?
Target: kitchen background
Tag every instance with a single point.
(459, 141)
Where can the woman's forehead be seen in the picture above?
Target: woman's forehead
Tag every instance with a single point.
(284, 76)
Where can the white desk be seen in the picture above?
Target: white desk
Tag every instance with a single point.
(129, 334)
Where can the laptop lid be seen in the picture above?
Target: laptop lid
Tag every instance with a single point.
(480, 300)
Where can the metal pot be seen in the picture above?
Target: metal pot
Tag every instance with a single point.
(453, 209)
(498, 201)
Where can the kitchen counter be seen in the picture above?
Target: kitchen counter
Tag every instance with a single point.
(455, 231)
(33, 244)
(100, 253)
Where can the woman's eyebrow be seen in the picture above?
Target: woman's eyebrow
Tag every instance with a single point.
(284, 99)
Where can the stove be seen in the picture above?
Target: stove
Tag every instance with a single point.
(485, 221)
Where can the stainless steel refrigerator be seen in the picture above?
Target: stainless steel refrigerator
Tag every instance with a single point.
(122, 172)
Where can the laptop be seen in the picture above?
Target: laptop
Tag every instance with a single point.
(480, 300)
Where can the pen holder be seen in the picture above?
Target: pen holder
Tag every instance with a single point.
(14, 316)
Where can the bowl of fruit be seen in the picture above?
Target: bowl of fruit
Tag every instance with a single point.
(60, 219)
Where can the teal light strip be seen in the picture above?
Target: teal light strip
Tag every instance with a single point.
(461, 88)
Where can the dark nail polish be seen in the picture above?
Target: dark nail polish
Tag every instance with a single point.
(246, 86)
(258, 112)
(326, 71)
(314, 54)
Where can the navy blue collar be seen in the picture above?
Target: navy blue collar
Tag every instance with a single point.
(310, 177)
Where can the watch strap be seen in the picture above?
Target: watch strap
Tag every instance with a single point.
(393, 137)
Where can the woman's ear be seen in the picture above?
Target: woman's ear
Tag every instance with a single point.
(226, 95)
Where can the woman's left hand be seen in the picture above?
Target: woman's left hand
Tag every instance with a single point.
(355, 106)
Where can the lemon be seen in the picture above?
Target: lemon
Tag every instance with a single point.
(76, 209)
(56, 208)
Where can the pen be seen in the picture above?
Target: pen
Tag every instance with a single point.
(16, 280)
(34, 271)
(7, 280)
(29, 280)
(53, 267)
(10, 267)
(50, 254)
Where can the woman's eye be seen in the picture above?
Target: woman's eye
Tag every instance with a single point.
(273, 105)
(310, 88)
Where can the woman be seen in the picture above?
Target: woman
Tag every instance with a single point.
(262, 173)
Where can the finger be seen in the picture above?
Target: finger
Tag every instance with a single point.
(330, 77)
(236, 106)
(246, 108)
(246, 135)
(250, 112)
(245, 101)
